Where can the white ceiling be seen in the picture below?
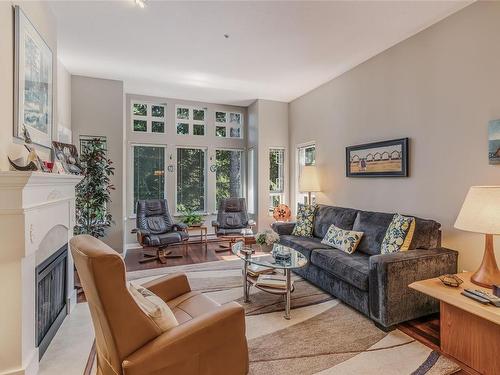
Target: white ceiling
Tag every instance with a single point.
(276, 50)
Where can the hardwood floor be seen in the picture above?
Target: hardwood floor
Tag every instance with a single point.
(196, 254)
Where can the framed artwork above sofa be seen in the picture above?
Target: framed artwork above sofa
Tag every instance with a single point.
(378, 159)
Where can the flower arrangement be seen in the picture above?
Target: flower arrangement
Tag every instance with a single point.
(267, 237)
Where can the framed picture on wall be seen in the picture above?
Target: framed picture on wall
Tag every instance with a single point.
(378, 159)
(33, 82)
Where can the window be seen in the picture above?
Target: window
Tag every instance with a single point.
(276, 177)
(306, 155)
(228, 124)
(191, 179)
(190, 121)
(148, 117)
(149, 172)
(228, 174)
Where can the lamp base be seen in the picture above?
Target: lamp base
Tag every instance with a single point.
(488, 273)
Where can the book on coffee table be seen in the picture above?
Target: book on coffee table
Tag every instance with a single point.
(272, 281)
(255, 270)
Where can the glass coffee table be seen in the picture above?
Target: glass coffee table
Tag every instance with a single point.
(281, 259)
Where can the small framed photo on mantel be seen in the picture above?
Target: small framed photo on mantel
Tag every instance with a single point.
(378, 159)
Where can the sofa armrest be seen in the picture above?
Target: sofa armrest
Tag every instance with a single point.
(283, 228)
(169, 287)
(391, 300)
(214, 342)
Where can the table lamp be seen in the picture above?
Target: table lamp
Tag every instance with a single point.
(309, 181)
(480, 213)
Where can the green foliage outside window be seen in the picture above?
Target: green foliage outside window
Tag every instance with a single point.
(228, 175)
(149, 173)
(93, 193)
(191, 179)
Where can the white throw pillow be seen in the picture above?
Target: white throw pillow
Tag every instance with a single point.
(154, 307)
(345, 240)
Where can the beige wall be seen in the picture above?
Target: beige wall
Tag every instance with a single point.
(97, 110)
(44, 21)
(268, 128)
(63, 97)
(439, 88)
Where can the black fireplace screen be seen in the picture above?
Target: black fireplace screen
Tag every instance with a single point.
(51, 297)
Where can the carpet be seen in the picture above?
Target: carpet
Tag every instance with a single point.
(324, 336)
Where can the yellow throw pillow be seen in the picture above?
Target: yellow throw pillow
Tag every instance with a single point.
(398, 235)
(154, 307)
(345, 240)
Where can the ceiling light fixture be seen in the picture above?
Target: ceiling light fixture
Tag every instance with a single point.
(140, 3)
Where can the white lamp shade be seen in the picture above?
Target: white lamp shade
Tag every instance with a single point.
(480, 212)
(309, 179)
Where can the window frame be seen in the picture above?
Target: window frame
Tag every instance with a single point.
(205, 185)
(281, 194)
(228, 125)
(298, 168)
(191, 121)
(131, 213)
(149, 118)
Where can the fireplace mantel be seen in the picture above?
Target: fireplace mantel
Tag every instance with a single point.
(32, 204)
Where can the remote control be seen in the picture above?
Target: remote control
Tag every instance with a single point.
(475, 297)
(493, 299)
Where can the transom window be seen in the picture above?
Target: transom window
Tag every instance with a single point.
(190, 121)
(228, 124)
(148, 117)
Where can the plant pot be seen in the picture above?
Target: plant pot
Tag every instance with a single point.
(266, 248)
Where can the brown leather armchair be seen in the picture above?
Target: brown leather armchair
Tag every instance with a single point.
(210, 338)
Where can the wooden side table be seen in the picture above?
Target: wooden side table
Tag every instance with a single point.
(203, 234)
(470, 331)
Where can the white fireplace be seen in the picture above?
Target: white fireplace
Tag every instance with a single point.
(37, 215)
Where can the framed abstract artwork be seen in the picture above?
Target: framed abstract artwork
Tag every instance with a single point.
(33, 82)
(379, 159)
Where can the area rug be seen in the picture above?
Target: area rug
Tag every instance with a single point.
(324, 336)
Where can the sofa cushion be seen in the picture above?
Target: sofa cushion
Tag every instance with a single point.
(303, 244)
(327, 215)
(305, 220)
(352, 268)
(426, 235)
(398, 235)
(345, 240)
(373, 225)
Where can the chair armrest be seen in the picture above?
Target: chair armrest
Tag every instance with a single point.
(215, 223)
(391, 300)
(214, 342)
(251, 223)
(283, 228)
(169, 287)
(140, 234)
(179, 226)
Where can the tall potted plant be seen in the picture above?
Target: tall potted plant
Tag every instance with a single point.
(93, 193)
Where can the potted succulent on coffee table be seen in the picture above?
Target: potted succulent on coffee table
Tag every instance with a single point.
(266, 240)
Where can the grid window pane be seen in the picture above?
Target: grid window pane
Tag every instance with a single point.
(183, 113)
(306, 156)
(276, 170)
(158, 111)
(198, 129)
(198, 114)
(140, 109)
(228, 174)
(235, 132)
(220, 131)
(140, 125)
(235, 118)
(158, 127)
(191, 179)
(310, 155)
(220, 116)
(182, 128)
(149, 173)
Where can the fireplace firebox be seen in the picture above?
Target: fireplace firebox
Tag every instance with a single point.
(51, 297)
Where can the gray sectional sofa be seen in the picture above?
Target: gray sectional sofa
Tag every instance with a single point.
(373, 283)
